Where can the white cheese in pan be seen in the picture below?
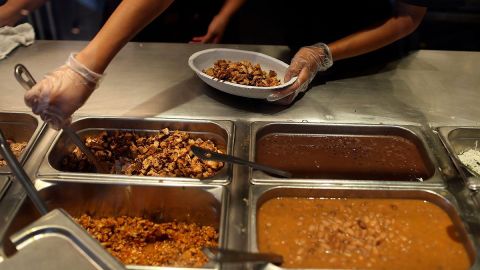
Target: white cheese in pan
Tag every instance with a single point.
(471, 159)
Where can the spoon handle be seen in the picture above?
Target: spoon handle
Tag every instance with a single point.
(235, 256)
(21, 175)
(210, 155)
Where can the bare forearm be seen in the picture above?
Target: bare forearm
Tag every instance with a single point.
(129, 18)
(405, 21)
(24, 4)
(14, 10)
(230, 7)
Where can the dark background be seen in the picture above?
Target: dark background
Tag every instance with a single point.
(448, 25)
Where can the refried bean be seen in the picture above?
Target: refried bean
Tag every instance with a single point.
(361, 234)
(138, 241)
(370, 157)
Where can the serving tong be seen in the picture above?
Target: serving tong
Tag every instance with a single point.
(211, 155)
(26, 79)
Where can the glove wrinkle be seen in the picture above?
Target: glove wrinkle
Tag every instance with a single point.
(306, 63)
(62, 92)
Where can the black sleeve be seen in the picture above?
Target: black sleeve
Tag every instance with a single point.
(437, 4)
(422, 3)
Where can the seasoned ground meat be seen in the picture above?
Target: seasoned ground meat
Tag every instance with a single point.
(17, 149)
(163, 154)
(243, 72)
(138, 241)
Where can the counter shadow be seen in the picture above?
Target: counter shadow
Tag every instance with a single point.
(243, 103)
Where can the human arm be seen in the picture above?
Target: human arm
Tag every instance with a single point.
(13, 10)
(127, 20)
(311, 59)
(403, 23)
(219, 23)
(65, 90)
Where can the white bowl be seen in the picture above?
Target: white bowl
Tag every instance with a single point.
(205, 59)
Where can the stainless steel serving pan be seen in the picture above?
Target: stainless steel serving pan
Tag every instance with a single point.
(4, 183)
(427, 146)
(221, 132)
(259, 194)
(457, 140)
(199, 203)
(57, 233)
(20, 127)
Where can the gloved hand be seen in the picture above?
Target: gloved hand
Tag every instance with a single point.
(62, 92)
(304, 65)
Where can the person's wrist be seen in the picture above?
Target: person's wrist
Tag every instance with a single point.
(222, 18)
(80, 68)
(92, 60)
(325, 56)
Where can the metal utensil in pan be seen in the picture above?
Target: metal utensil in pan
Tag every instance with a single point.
(210, 155)
(21, 175)
(60, 223)
(26, 79)
(235, 256)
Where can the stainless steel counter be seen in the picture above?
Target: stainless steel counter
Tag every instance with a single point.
(426, 89)
(149, 79)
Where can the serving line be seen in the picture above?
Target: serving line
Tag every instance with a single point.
(238, 204)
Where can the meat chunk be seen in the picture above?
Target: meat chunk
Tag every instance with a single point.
(139, 241)
(166, 153)
(17, 149)
(242, 72)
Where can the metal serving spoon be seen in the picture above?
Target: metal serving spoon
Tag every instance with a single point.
(26, 79)
(210, 155)
(21, 175)
(236, 256)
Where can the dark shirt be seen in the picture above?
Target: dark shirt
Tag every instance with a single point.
(423, 3)
(328, 21)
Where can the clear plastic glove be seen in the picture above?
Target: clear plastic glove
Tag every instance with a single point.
(215, 31)
(304, 65)
(62, 92)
